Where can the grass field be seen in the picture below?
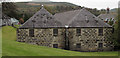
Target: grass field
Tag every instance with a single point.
(0, 42)
(10, 47)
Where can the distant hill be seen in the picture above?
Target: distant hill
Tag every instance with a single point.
(38, 4)
(30, 8)
(114, 10)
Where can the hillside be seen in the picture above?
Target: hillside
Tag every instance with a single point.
(20, 4)
(0, 42)
(33, 7)
(13, 48)
(30, 8)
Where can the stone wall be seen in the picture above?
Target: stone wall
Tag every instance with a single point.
(42, 37)
(88, 40)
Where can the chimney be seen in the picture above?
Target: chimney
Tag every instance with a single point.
(86, 19)
(108, 10)
(42, 6)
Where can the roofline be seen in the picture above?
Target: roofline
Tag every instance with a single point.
(61, 27)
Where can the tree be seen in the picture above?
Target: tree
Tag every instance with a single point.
(21, 20)
(116, 34)
(118, 29)
(111, 22)
(10, 9)
(103, 11)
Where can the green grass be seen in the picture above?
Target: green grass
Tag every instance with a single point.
(0, 42)
(13, 48)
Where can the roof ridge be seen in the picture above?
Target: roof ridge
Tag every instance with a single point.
(79, 13)
(67, 11)
(30, 18)
(40, 17)
(74, 17)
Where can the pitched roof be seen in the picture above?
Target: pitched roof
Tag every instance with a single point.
(106, 16)
(78, 18)
(41, 19)
(65, 17)
(5, 16)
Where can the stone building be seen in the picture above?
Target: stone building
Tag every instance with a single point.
(107, 16)
(6, 20)
(73, 30)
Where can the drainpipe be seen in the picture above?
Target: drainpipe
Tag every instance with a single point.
(66, 38)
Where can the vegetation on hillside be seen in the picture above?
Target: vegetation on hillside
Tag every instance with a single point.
(118, 29)
(26, 10)
(116, 34)
(10, 9)
(13, 48)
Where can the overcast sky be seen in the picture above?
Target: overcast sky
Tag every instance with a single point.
(99, 4)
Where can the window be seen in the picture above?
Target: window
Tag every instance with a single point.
(113, 30)
(78, 32)
(31, 32)
(55, 32)
(100, 32)
(78, 45)
(100, 45)
(55, 45)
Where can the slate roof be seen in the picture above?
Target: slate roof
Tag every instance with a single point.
(5, 16)
(6, 20)
(76, 18)
(65, 17)
(41, 19)
(106, 16)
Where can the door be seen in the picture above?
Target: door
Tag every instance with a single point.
(100, 47)
(55, 45)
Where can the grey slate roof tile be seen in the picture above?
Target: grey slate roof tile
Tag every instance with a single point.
(65, 17)
(41, 19)
(76, 18)
(5, 16)
(104, 16)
